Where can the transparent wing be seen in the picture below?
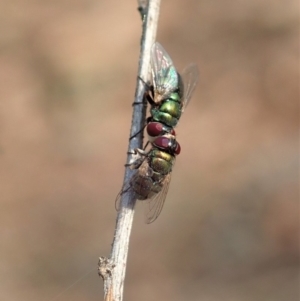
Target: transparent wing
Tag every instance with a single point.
(189, 77)
(143, 170)
(142, 180)
(156, 202)
(164, 74)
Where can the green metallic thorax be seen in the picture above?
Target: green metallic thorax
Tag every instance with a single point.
(169, 110)
(161, 163)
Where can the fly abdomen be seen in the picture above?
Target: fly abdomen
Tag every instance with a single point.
(142, 187)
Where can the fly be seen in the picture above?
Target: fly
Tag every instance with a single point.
(168, 95)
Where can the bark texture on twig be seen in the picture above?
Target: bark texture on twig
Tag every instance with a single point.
(114, 278)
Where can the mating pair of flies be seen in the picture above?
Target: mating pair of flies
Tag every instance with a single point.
(168, 95)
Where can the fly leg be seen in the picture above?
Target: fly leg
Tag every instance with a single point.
(147, 143)
(149, 94)
(148, 87)
(149, 119)
(137, 133)
(148, 97)
(138, 156)
(141, 152)
(144, 102)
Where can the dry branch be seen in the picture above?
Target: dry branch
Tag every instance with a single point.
(113, 270)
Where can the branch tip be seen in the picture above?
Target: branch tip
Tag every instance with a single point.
(105, 267)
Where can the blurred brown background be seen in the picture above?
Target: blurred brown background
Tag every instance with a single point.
(229, 228)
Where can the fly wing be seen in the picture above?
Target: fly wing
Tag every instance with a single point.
(164, 74)
(156, 202)
(189, 76)
(143, 170)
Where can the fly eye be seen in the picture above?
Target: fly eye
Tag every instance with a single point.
(177, 149)
(162, 142)
(166, 144)
(154, 129)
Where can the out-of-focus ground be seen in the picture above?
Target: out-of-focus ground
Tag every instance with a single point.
(230, 226)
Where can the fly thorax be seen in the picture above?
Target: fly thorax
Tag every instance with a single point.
(161, 162)
(171, 107)
(168, 112)
(156, 153)
(161, 166)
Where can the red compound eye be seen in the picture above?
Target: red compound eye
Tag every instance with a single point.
(154, 129)
(177, 149)
(162, 142)
(170, 145)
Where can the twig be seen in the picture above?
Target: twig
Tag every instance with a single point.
(113, 270)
